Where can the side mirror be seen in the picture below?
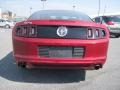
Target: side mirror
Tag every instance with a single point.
(98, 20)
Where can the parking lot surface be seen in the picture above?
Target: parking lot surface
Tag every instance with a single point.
(14, 78)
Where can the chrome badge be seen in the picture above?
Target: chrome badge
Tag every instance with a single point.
(62, 31)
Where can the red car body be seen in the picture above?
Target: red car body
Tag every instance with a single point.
(27, 53)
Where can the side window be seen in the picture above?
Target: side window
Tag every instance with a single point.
(3, 20)
(97, 19)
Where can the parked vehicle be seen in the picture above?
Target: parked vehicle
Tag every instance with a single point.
(18, 19)
(6, 23)
(60, 39)
(112, 22)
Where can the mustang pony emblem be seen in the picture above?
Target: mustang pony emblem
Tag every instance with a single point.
(62, 31)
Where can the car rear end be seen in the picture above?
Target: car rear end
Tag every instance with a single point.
(60, 39)
(36, 43)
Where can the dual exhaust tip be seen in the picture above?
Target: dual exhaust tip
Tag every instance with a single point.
(24, 65)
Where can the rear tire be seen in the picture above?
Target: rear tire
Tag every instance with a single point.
(117, 36)
(7, 26)
(21, 65)
(114, 36)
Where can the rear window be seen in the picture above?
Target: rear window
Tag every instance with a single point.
(59, 14)
(111, 18)
(9, 21)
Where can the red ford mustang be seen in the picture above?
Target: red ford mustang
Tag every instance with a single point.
(60, 39)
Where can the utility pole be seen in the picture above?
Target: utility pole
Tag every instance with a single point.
(104, 10)
(99, 7)
(30, 10)
(43, 3)
(74, 4)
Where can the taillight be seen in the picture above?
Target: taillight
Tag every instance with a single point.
(96, 33)
(103, 33)
(90, 33)
(110, 23)
(26, 31)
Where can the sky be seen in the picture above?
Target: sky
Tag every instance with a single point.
(90, 7)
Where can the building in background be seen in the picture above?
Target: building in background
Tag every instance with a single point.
(8, 15)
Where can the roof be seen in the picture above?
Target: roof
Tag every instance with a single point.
(107, 14)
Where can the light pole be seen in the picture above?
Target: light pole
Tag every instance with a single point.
(99, 7)
(105, 8)
(74, 4)
(43, 3)
(30, 10)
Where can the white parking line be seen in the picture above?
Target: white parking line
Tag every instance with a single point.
(4, 30)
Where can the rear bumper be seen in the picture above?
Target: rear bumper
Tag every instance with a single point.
(60, 61)
(26, 50)
(87, 64)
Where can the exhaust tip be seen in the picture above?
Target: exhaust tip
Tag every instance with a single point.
(98, 66)
(21, 64)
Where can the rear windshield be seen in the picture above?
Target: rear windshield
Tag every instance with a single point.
(111, 18)
(59, 14)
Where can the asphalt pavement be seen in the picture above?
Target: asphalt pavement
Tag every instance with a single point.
(14, 78)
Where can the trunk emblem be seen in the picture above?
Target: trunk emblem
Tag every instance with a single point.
(62, 31)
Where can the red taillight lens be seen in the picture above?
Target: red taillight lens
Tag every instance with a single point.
(110, 23)
(26, 31)
(97, 33)
(90, 33)
(103, 33)
(32, 32)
